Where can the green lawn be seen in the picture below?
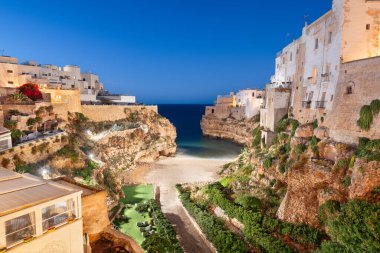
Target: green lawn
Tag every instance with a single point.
(134, 195)
(137, 194)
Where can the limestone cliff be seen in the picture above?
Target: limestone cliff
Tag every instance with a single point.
(302, 172)
(100, 152)
(239, 131)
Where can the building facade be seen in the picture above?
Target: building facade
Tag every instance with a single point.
(311, 66)
(38, 215)
(13, 74)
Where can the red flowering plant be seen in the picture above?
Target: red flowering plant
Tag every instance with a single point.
(31, 90)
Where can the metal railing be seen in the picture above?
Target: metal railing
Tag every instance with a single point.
(320, 105)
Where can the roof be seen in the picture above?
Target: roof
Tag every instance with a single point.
(4, 130)
(87, 190)
(21, 191)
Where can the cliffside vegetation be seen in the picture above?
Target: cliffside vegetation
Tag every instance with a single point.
(287, 195)
(367, 113)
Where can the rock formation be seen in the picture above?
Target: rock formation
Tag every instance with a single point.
(239, 131)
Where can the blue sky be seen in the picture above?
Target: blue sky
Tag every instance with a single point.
(162, 51)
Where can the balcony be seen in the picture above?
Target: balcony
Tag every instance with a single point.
(320, 104)
(306, 104)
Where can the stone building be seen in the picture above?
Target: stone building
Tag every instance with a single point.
(14, 74)
(244, 105)
(315, 65)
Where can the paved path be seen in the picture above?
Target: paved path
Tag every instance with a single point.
(166, 174)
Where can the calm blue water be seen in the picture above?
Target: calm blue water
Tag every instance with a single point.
(190, 141)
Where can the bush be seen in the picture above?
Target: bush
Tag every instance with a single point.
(165, 238)
(16, 136)
(5, 162)
(300, 148)
(369, 149)
(10, 124)
(375, 107)
(68, 152)
(256, 133)
(31, 90)
(342, 164)
(346, 181)
(223, 240)
(249, 202)
(267, 163)
(354, 227)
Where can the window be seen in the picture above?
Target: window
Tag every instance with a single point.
(253, 94)
(330, 38)
(368, 27)
(331, 98)
(4, 144)
(283, 60)
(349, 90)
(311, 96)
(9, 71)
(291, 56)
(212, 110)
(316, 44)
(313, 79)
(20, 228)
(58, 214)
(10, 82)
(72, 86)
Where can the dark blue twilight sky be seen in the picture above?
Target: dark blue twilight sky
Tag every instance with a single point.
(163, 51)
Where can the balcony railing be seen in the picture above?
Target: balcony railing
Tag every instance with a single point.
(306, 104)
(320, 104)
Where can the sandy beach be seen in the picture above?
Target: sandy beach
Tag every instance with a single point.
(166, 173)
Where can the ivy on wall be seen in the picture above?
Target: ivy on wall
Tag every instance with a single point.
(367, 113)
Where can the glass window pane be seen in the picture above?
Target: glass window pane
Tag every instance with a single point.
(57, 214)
(20, 228)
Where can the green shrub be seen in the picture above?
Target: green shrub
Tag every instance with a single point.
(249, 202)
(354, 227)
(165, 239)
(300, 148)
(68, 152)
(346, 181)
(375, 107)
(352, 161)
(223, 240)
(256, 133)
(342, 164)
(366, 118)
(267, 163)
(16, 136)
(315, 123)
(10, 124)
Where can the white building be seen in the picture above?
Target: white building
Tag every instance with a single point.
(13, 74)
(311, 64)
(38, 216)
(251, 100)
(5, 139)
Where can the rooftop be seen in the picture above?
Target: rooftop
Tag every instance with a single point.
(20, 191)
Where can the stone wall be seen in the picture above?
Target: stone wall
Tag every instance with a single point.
(99, 113)
(33, 151)
(95, 214)
(363, 77)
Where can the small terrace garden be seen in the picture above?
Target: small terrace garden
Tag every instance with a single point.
(142, 219)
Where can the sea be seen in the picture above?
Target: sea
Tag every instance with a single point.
(190, 141)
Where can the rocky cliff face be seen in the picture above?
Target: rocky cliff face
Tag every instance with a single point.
(239, 131)
(306, 172)
(100, 152)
